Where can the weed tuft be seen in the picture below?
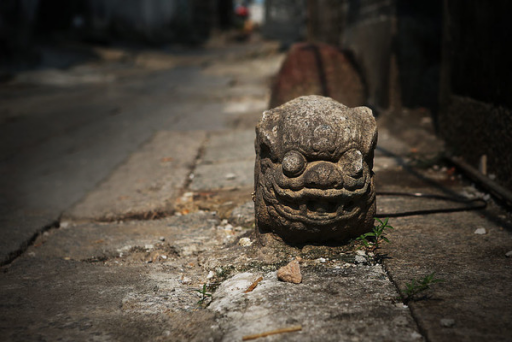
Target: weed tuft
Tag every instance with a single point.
(373, 240)
(416, 287)
(204, 294)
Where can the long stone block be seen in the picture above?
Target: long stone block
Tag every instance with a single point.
(146, 185)
(227, 176)
(234, 146)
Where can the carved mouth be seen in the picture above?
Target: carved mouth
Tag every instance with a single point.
(314, 206)
(317, 211)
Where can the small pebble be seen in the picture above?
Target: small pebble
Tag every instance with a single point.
(161, 238)
(210, 275)
(447, 322)
(322, 260)
(245, 242)
(359, 259)
(416, 336)
(360, 252)
(509, 254)
(290, 273)
(480, 231)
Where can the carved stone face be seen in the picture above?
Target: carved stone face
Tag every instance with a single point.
(313, 172)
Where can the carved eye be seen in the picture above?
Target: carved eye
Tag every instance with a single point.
(293, 164)
(352, 163)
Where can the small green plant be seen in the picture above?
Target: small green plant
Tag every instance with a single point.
(204, 294)
(372, 240)
(415, 287)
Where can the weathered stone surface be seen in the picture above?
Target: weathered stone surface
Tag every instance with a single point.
(317, 69)
(101, 241)
(232, 146)
(333, 303)
(476, 290)
(54, 299)
(147, 183)
(313, 171)
(290, 273)
(110, 281)
(22, 224)
(243, 215)
(227, 162)
(227, 175)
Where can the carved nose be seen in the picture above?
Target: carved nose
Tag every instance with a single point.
(324, 175)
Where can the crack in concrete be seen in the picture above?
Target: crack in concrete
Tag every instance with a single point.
(26, 244)
(421, 328)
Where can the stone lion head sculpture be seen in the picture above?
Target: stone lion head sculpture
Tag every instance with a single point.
(313, 171)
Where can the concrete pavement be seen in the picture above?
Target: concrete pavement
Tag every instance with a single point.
(59, 140)
(113, 270)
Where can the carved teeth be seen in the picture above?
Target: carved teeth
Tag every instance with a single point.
(321, 207)
(304, 209)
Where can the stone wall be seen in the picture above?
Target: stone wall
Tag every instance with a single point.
(448, 56)
(187, 21)
(368, 33)
(148, 21)
(476, 106)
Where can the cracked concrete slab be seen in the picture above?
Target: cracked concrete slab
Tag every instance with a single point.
(186, 235)
(147, 184)
(21, 235)
(136, 282)
(139, 280)
(475, 293)
(56, 299)
(333, 303)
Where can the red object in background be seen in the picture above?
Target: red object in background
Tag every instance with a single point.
(241, 11)
(317, 69)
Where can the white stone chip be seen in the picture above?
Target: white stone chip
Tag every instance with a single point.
(447, 322)
(230, 176)
(480, 231)
(245, 242)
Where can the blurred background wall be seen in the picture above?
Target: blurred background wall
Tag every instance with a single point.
(475, 118)
(450, 57)
(149, 21)
(447, 56)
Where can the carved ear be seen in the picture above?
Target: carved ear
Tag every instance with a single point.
(266, 135)
(368, 130)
